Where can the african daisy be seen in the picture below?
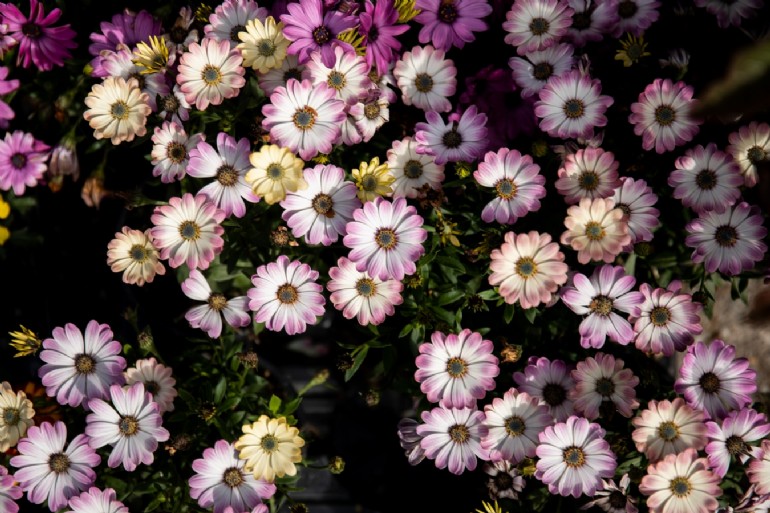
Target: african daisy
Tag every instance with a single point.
(270, 447)
(373, 180)
(730, 12)
(635, 16)
(549, 381)
(311, 29)
(613, 498)
(6, 87)
(16, 413)
(601, 379)
(40, 43)
(590, 21)
(533, 25)
(174, 107)
(452, 437)
(681, 482)
(637, 201)
(596, 230)
(157, 380)
(277, 77)
(117, 110)
(22, 161)
(730, 440)
(360, 295)
(263, 45)
(588, 173)
(369, 114)
(378, 23)
(208, 317)
(451, 23)
(121, 64)
(10, 492)
(532, 71)
(409, 440)
(230, 18)
(505, 480)
(706, 178)
(171, 151)
(749, 146)
(210, 72)
(347, 76)
(133, 253)
(463, 137)
(513, 423)
(96, 501)
(274, 172)
(412, 170)
(426, 79)
(758, 470)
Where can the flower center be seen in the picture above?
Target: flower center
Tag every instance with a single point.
(539, 26)
(423, 82)
(456, 367)
(756, 154)
(594, 231)
(324, 205)
(59, 463)
(18, 160)
(119, 110)
(211, 75)
(178, 34)
(287, 294)
(233, 477)
(506, 189)
(459, 434)
(274, 171)
(217, 301)
(85, 364)
(626, 9)
(295, 73)
(386, 238)
(369, 183)
(581, 20)
(634, 51)
(503, 481)
(624, 208)
(588, 180)
(554, 394)
(170, 103)
(542, 71)
(11, 416)
(601, 305)
(176, 152)
(152, 387)
(726, 236)
(514, 426)
(680, 486)
(265, 48)
(366, 287)
(336, 80)
(526, 267)
(234, 33)
(128, 425)
(736, 446)
(665, 115)
(189, 231)
(710, 383)
(31, 30)
(668, 431)
(321, 35)
(371, 110)
(138, 253)
(447, 12)
(227, 175)
(452, 139)
(605, 387)
(574, 457)
(269, 443)
(574, 108)
(660, 315)
(373, 34)
(413, 169)
(304, 118)
(617, 500)
(706, 179)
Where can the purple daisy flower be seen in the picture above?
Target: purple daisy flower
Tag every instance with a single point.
(310, 29)
(532, 71)
(637, 201)
(461, 138)
(591, 20)
(448, 23)
(6, 87)
(714, 380)
(126, 29)
(96, 501)
(409, 440)
(730, 13)
(208, 317)
(10, 492)
(635, 16)
(731, 438)
(602, 378)
(22, 161)
(614, 498)
(452, 437)
(534, 25)
(50, 470)
(549, 381)
(379, 26)
(357, 294)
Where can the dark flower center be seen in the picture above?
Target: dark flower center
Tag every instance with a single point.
(369, 183)
(386, 238)
(211, 75)
(266, 48)
(542, 71)
(294, 73)
(304, 118)
(274, 171)
(128, 425)
(321, 35)
(710, 383)
(627, 8)
(605, 387)
(726, 236)
(138, 253)
(506, 188)
(373, 34)
(119, 110)
(574, 108)
(413, 169)
(539, 26)
(371, 110)
(179, 34)
(736, 446)
(459, 434)
(31, 30)
(287, 294)
(11, 416)
(660, 315)
(233, 477)
(625, 208)
(515, 426)
(269, 443)
(366, 287)
(526, 267)
(336, 80)
(581, 20)
(706, 179)
(59, 462)
(176, 152)
(617, 499)
(588, 180)
(85, 364)
(18, 160)
(456, 367)
(140, 80)
(452, 139)
(503, 481)
(170, 103)
(665, 115)
(189, 231)
(601, 305)
(594, 231)
(217, 301)
(423, 82)
(227, 175)
(152, 387)
(634, 51)
(234, 33)
(574, 457)
(668, 431)
(680, 486)
(447, 12)
(324, 205)
(756, 154)
(554, 394)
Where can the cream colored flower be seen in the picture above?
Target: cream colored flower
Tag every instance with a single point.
(133, 253)
(264, 45)
(270, 448)
(275, 170)
(15, 416)
(373, 180)
(117, 110)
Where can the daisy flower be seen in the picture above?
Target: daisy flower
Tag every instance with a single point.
(121, 64)
(452, 437)
(588, 173)
(358, 294)
(412, 170)
(378, 23)
(668, 320)
(758, 470)
(369, 114)
(706, 178)
(409, 440)
(711, 378)
(596, 230)
(448, 23)
(40, 43)
(274, 172)
(731, 242)
(117, 110)
(133, 253)
(263, 45)
(126, 29)
(349, 134)
(570, 105)
(286, 296)
(732, 437)
(637, 201)
(426, 79)
(157, 380)
(174, 107)
(347, 76)
(6, 87)
(210, 72)
(208, 317)
(504, 481)
(188, 230)
(528, 268)
(681, 482)
(22, 161)
(10, 492)
(373, 180)
(80, 367)
(663, 115)
(278, 77)
(590, 21)
(321, 211)
(310, 29)
(574, 457)
(749, 146)
(230, 19)
(534, 25)
(598, 298)
(600, 379)
(613, 498)
(220, 481)
(549, 381)
(386, 238)
(270, 448)
(16, 414)
(96, 501)
(171, 151)
(513, 423)
(49, 469)
(635, 16)
(456, 370)
(304, 117)
(463, 137)
(730, 13)
(532, 71)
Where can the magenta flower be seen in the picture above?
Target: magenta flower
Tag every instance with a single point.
(681, 482)
(410, 440)
(208, 316)
(514, 422)
(759, 470)
(534, 25)
(39, 43)
(637, 201)
(463, 137)
(310, 29)
(635, 16)
(591, 21)
(96, 501)
(126, 29)
(532, 71)
(22, 161)
(380, 28)
(358, 294)
(10, 492)
(730, 440)
(452, 437)
(549, 381)
(448, 23)
(230, 18)
(706, 179)
(602, 378)
(6, 86)
(730, 13)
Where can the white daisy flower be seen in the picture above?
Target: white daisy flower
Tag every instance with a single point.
(117, 110)
(426, 79)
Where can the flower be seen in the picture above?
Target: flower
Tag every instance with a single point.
(730, 13)
(347, 75)
(614, 498)
(208, 317)
(758, 470)
(263, 45)
(409, 440)
(157, 380)
(528, 267)
(6, 87)
(385, 238)
(171, 151)
(25, 342)
(590, 21)
(275, 171)
(448, 23)
(16, 414)
(22, 161)
(303, 117)
(588, 173)
(131, 426)
(369, 115)
(373, 180)
(573, 457)
(750, 145)
(286, 296)
(230, 18)
(50, 470)
(631, 50)
(532, 71)
(81, 366)
(289, 68)
(732, 438)
(210, 72)
(378, 24)
(534, 25)
(452, 437)
(706, 179)
(637, 201)
(596, 230)
(635, 16)
(505, 481)
(188, 230)
(64, 162)
(126, 29)
(174, 107)
(602, 378)
(310, 29)
(713, 379)
(153, 57)
(668, 427)
(663, 116)
(549, 381)
(117, 110)
(730, 242)
(358, 294)
(412, 170)
(513, 423)
(681, 482)
(464, 137)
(121, 64)
(456, 370)
(10, 492)
(426, 79)
(96, 501)
(270, 448)
(221, 482)
(133, 253)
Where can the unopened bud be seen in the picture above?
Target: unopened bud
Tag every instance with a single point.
(336, 465)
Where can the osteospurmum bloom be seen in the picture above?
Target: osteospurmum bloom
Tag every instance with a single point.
(730, 13)
(96, 501)
(549, 381)
(208, 317)
(635, 16)
(270, 447)
(590, 21)
(117, 110)
(275, 171)
(637, 201)
(426, 79)
(412, 170)
(373, 180)
(668, 427)
(574, 457)
(6, 87)
(230, 18)
(210, 72)
(157, 380)
(505, 480)
(358, 294)
(263, 45)
(409, 440)
(348, 75)
(663, 115)
(532, 71)
(171, 151)
(613, 498)
(452, 437)
(588, 173)
(378, 23)
(16, 414)
(369, 114)
(311, 29)
(750, 146)
(705, 179)
(681, 482)
(758, 470)
(731, 439)
(22, 161)
(533, 25)
(133, 253)
(10, 492)
(513, 424)
(462, 137)
(278, 77)
(596, 230)
(451, 23)
(603, 379)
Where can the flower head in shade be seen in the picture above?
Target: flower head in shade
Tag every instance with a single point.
(81, 366)
(533, 25)
(378, 23)
(749, 146)
(758, 470)
(278, 77)
(126, 29)
(598, 298)
(504, 481)
(188, 230)
(210, 72)
(596, 230)
(532, 71)
(574, 457)
(270, 447)
(731, 242)
(731, 439)
(174, 107)
(668, 320)
(96, 501)
(131, 426)
(40, 43)
(426, 79)
(637, 201)
(231, 18)
(590, 21)
(208, 316)
(448, 23)
(409, 440)
(263, 45)
(220, 481)
(614, 498)
(274, 172)
(663, 115)
(386, 238)
(117, 110)
(22, 161)
(16, 414)
(373, 180)
(157, 380)
(133, 253)
(571, 105)
(602, 378)
(528, 268)
(10, 492)
(412, 170)
(347, 76)
(456, 370)
(549, 381)
(588, 173)
(714, 380)
(452, 437)
(49, 469)
(6, 87)
(706, 178)
(171, 151)
(309, 28)
(360, 295)
(730, 13)
(463, 137)
(681, 482)
(513, 423)
(635, 16)
(303, 117)
(286, 296)
(668, 427)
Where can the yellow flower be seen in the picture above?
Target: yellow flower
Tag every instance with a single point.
(275, 170)
(633, 49)
(16, 414)
(490, 507)
(406, 10)
(153, 57)
(447, 232)
(270, 448)
(263, 46)
(5, 209)
(354, 39)
(373, 180)
(25, 342)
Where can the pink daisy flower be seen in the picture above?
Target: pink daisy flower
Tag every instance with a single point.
(574, 457)
(532, 71)
(210, 72)
(758, 471)
(505, 481)
(310, 29)
(174, 107)
(534, 25)
(49, 469)
(588, 173)
(410, 440)
(10, 492)
(513, 424)
(121, 64)
(452, 437)
(456, 370)
(348, 74)
(596, 230)
(463, 137)
(549, 381)
(378, 23)
(528, 268)
(637, 201)
(730, 13)
(600, 379)
(706, 179)
(286, 296)
(230, 18)
(448, 23)
(369, 114)
(731, 439)
(358, 294)
(171, 151)
(635, 16)
(81, 366)
(22, 161)
(157, 380)
(731, 242)
(426, 79)
(6, 87)
(749, 146)
(613, 498)
(279, 77)
(39, 43)
(598, 298)
(208, 317)
(663, 115)
(681, 482)
(96, 501)
(386, 238)
(668, 427)
(712, 379)
(591, 21)
(412, 170)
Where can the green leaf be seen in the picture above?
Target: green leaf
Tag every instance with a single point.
(488, 295)
(508, 313)
(406, 330)
(449, 297)
(291, 406)
(530, 314)
(275, 404)
(219, 390)
(358, 359)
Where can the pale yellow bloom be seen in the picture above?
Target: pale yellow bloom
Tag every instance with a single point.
(117, 110)
(270, 448)
(263, 46)
(5, 208)
(15, 416)
(373, 180)
(275, 170)
(133, 253)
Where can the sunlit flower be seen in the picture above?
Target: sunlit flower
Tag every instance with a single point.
(230, 18)
(532, 71)
(730, 440)
(426, 79)
(637, 201)
(309, 28)
(549, 381)
(533, 25)
(121, 64)
(360, 295)
(157, 380)
(208, 317)
(152, 58)
(461, 138)
(596, 230)
(16, 414)
(514, 422)
(373, 180)
(378, 23)
(25, 342)
(125, 30)
(602, 378)
(171, 151)
(263, 45)
(347, 76)
(517, 182)
(452, 437)
(270, 448)
(451, 23)
(274, 172)
(117, 110)
(133, 253)
(681, 482)
(96, 501)
(588, 173)
(412, 170)
(22, 161)
(749, 146)
(369, 114)
(706, 178)
(210, 72)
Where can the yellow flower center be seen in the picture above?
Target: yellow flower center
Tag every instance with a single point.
(233, 477)
(217, 301)
(189, 231)
(59, 463)
(366, 287)
(227, 175)
(85, 364)
(287, 294)
(594, 231)
(211, 75)
(574, 457)
(459, 433)
(668, 431)
(128, 425)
